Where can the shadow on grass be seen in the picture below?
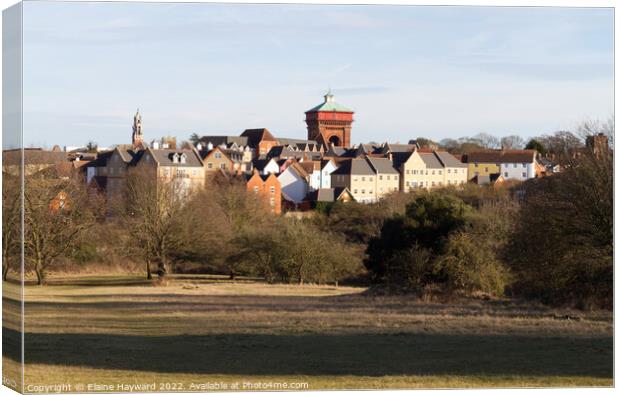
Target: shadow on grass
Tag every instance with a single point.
(316, 354)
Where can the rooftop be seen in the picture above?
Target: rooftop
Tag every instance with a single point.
(330, 105)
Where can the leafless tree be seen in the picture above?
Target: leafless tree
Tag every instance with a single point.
(57, 214)
(153, 212)
(11, 221)
(512, 142)
(487, 140)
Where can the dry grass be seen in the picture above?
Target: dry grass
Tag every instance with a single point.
(206, 329)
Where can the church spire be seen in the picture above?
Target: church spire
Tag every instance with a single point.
(136, 138)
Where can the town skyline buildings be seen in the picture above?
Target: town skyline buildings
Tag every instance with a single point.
(223, 68)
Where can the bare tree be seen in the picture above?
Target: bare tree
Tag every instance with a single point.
(512, 142)
(11, 221)
(57, 213)
(153, 212)
(487, 140)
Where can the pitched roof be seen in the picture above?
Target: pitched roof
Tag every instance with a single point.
(165, 157)
(311, 166)
(218, 140)
(255, 136)
(398, 158)
(382, 165)
(261, 163)
(206, 154)
(296, 167)
(501, 156)
(400, 147)
(297, 142)
(354, 166)
(448, 160)
(329, 105)
(430, 160)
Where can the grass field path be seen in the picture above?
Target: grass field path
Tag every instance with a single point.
(199, 330)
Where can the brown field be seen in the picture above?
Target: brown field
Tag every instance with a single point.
(205, 330)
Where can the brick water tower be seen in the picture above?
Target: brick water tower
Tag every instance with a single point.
(330, 123)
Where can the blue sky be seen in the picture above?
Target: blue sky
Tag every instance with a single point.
(407, 71)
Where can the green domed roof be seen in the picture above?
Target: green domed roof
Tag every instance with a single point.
(330, 105)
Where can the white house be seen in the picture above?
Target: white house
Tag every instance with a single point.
(266, 166)
(328, 167)
(294, 182)
(518, 164)
(319, 173)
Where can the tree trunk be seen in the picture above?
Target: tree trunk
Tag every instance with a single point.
(5, 271)
(40, 275)
(231, 275)
(148, 270)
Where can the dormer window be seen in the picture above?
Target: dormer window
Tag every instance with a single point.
(175, 158)
(183, 158)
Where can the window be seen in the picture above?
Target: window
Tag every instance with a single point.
(218, 155)
(255, 189)
(223, 166)
(369, 178)
(381, 177)
(388, 177)
(415, 172)
(448, 171)
(476, 164)
(355, 191)
(363, 178)
(209, 165)
(514, 165)
(433, 172)
(354, 178)
(194, 172)
(272, 202)
(524, 175)
(439, 172)
(426, 172)
(433, 183)
(506, 174)
(409, 172)
(524, 165)
(272, 190)
(486, 169)
(363, 191)
(395, 178)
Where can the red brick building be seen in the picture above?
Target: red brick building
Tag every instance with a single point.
(330, 123)
(267, 187)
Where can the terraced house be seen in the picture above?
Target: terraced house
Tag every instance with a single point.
(387, 177)
(358, 177)
(428, 169)
(510, 164)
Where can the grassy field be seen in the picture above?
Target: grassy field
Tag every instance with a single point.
(201, 333)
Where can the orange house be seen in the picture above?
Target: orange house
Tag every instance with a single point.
(267, 187)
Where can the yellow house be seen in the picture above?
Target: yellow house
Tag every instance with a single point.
(428, 169)
(483, 163)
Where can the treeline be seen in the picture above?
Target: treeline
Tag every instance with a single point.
(560, 145)
(548, 239)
